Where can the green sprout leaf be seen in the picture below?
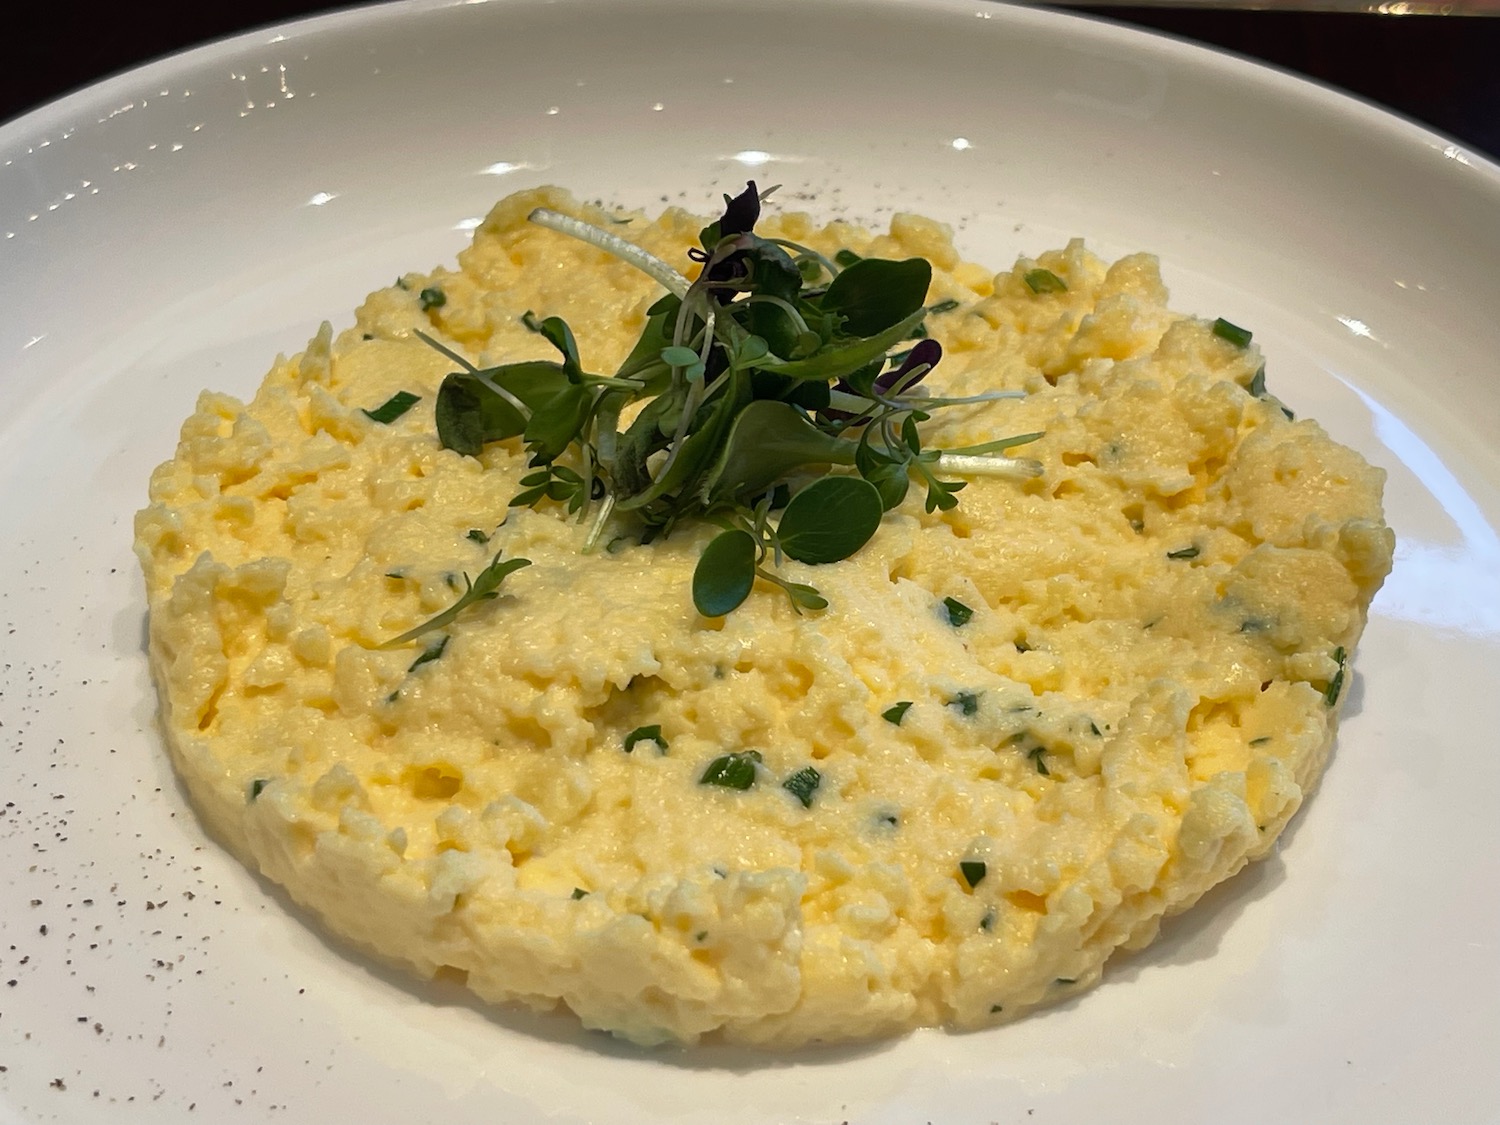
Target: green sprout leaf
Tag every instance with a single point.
(725, 573)
(481, 589)
(392, 408)
(874, 294)
(828, 520)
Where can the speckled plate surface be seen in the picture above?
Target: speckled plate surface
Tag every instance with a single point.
(175, 227)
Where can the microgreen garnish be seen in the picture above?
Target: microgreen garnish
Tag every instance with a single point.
(958, 613)
(432, 298)
(482, 588)
(430, 653)
(774, 365)
(1183, 553)
(973, 872)
(895, 714)
(257, 786)
(1336, 685)
(966, 702)
(392, 408)
(1234, 334)
(1044, 281)
(646, 734)
(803, 784)
(478, 536)
(732, 771)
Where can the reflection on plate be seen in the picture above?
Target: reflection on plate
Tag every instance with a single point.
(173, 228)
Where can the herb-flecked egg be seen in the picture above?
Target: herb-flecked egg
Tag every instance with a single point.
(1022, 732)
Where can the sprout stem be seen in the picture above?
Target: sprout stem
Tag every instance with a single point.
(642, 260)
(1020, 468)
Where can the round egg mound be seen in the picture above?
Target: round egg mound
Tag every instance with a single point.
(1145, 691)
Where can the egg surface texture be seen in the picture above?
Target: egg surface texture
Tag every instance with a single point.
(1038, 722)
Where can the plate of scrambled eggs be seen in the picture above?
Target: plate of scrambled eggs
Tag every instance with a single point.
(498, 772)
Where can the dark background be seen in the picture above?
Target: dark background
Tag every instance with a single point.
(1443, 71)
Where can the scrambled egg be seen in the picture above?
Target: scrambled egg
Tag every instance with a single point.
(1144, 692)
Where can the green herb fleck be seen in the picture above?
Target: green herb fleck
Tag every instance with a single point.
(967, 702)
(732, 771)
(958, 613)
(1233, 333)
(1044, 281)
(1094, 727)
(257, 786)
(1183, 553)
(1036, 754)
(392, 408)
(1336, 685)
(896, 713)
(1067, 980)
(803, 784)
(1261, 741)
(432, 298)
(987, 922)
(942, 307)
(1258, 382)
(478, 536)
(481, 589)
(578, 893)
(646, 734)
(973, 871)
(430, 653)
(994, 1008)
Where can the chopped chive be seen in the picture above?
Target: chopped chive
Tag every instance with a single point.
(973, 871)
(578, 893)
(1261, 741)
(1044, 281)
(845, 258)
(1093, 726)
(732, 771)
(967, 702)
(430, 653)
(1258, 382)
(1036, 755)
(478, 536)
(432, 298)
(1183, 553)
(392, 408)
(803, 784)
(1233, 333)
(895, 714)
(1067, 980)
(942, 307)
(1336, 685)
(257, 785)
(958, 613)
(646, 734)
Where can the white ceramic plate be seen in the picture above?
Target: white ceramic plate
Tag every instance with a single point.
(173, 228)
